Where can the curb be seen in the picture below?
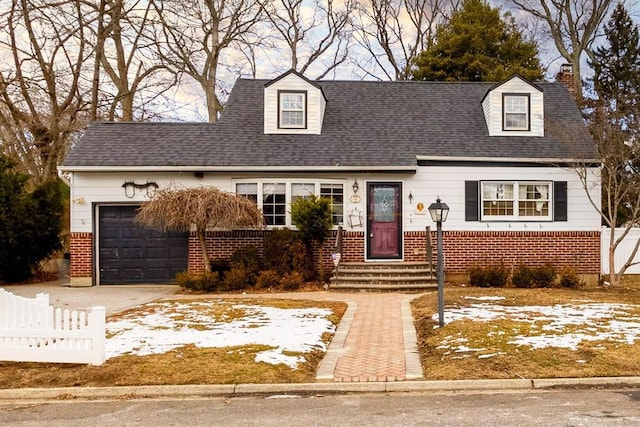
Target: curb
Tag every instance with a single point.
(204, 391)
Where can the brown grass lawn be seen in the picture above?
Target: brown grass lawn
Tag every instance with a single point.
(186, 365)
(490, 355)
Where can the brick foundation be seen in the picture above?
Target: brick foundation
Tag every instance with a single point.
(222, 244)
(81, 246)
(579, 250)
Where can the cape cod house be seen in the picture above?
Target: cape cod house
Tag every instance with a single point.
(500, 155)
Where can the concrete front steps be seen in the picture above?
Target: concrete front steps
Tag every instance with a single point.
(383, 276)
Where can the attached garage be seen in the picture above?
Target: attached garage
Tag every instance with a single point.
(131, 253)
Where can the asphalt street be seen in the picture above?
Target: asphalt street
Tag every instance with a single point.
(549, 408)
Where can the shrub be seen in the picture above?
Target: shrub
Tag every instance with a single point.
(220, 266)
(523, 277)
(204, 282)
(490, 276)
(235, 279)
(544, 276)
(247, 258)
(292, 281)
(285, 252)
(268, 279)
(30, 222)
(312, 217)
(570, 279)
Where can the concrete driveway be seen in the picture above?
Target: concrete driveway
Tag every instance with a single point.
(115, 298)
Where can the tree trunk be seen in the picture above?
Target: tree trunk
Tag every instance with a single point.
(202, 238)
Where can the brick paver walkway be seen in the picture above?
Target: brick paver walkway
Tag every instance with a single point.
(375, 341)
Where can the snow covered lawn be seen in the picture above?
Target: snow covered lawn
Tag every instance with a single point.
(163, 326)
(566, 326)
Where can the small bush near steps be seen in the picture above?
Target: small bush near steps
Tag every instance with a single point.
(489, 277)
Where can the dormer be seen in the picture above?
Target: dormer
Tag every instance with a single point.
(514, 108)
(293, 104)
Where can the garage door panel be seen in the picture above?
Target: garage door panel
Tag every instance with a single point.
(131, 232)
(157, 253)
(131, 253)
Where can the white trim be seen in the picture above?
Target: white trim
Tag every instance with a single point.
(507, 159)
(516, 202)
(235, 168)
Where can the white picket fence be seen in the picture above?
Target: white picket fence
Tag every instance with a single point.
(622, 252)
(31, 330)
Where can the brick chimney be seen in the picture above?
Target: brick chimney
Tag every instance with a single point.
(565, 75)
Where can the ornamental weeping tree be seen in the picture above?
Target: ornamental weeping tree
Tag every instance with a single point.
(200, 208)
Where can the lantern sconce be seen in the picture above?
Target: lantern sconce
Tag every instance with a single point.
(410, 197)
(355, 186)
(130, 188)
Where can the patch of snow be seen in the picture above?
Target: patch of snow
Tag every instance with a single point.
(559, 325)
(169, 325)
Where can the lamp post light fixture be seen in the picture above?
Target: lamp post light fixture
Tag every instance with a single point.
(439, 212)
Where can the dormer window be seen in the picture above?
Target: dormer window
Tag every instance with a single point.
(516, 112)
(292, 111)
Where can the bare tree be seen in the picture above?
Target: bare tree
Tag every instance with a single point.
(573, 26)
(312, 31)
(201, 208)
(41, 96)
(124, 50)
(194, 34)
(393, 33)
(620, 181)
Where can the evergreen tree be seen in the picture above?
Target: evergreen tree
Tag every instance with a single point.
(615, 119)
(478, 45)
(30, 223)
(615, 126)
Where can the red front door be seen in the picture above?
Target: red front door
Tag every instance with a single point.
(384, 220)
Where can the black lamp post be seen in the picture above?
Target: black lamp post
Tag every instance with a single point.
(439, 212)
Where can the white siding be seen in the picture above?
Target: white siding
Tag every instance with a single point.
(88, 188)
(492, 107)
(425, 186)
(448, 183)
(315, 106)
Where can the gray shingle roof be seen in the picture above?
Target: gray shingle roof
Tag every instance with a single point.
(374, 124)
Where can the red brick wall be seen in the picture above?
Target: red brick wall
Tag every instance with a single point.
(81, 254)
(463, 249)
(222, 244)
(575, 249)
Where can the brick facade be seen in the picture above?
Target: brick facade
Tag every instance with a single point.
(81, 246)
(579, 250)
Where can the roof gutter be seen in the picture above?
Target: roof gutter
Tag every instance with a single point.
(337, 168)
(550, 160)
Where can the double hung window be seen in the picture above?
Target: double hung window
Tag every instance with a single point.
(516, 200)
(292, 110)
(516, 112)
(275, 197)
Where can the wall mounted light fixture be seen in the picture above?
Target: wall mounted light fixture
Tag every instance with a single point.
(130, 188)
(355, 186)
(410, 197)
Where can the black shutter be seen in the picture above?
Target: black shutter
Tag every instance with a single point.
(560, 201)
(471, 203)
